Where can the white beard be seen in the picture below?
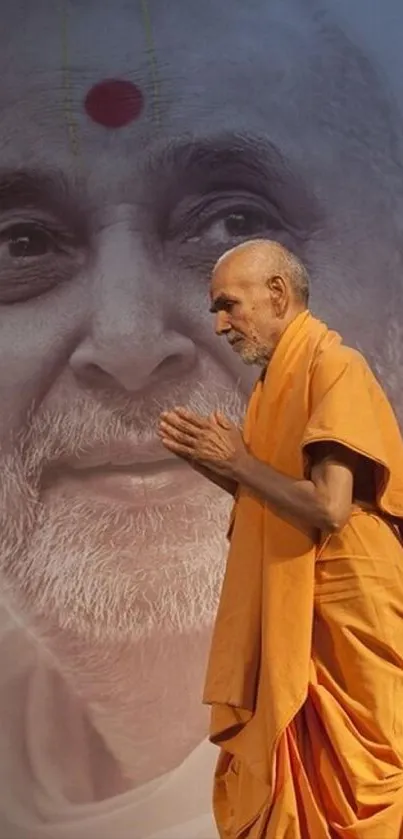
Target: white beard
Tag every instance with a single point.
(99, 570)
(145, 579)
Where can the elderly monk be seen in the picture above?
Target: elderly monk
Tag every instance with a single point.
(305, 677)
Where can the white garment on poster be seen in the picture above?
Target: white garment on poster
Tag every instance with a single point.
(47, 761)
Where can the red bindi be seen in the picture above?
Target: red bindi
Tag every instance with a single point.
(114, 103)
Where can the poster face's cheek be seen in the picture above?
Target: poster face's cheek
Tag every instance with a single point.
(67, 275)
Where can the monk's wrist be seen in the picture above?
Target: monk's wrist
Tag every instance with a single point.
(244, 468)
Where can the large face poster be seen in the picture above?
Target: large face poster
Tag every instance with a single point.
(139, 141)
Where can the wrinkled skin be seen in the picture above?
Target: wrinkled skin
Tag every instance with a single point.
(269, 124)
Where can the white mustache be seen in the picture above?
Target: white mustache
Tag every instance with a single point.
(233, 336)
(60, 434)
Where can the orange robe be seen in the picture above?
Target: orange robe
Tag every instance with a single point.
(305, 676)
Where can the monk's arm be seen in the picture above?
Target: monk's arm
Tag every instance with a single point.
(226, 484)
(320, 503)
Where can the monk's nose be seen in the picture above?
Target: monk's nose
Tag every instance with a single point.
(221, 323)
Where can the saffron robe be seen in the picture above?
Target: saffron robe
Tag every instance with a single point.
(305, 676)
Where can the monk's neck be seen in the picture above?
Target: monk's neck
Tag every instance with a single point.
(284, 325)
(290, 318)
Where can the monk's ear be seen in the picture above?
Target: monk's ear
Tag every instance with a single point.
(279, 296)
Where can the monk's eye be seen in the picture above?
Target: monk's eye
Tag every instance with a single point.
(27, 240)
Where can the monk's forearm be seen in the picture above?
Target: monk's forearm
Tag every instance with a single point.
(226, 484)
(295, 501)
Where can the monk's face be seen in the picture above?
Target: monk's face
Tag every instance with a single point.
(111, 219)
(242, 299)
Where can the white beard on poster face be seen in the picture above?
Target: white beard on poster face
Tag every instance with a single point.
(97, 568)
(104, 571)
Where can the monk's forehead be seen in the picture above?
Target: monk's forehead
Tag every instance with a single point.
(236, 275)
(198, 67)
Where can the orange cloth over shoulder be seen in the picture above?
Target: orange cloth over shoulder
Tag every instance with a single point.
(305, 676)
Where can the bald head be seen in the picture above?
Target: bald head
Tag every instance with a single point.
(262, 258)
(257, 289)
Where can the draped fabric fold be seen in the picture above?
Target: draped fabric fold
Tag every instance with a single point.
(267, 670)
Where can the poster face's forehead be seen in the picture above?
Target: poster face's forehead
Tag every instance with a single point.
(175, 59)
(51, 67)
(198, 71)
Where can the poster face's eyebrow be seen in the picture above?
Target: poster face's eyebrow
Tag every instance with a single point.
(236, 160)
(224, 155)
(29, 187)
(49, 193)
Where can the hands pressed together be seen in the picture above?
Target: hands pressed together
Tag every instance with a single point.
(213, 442)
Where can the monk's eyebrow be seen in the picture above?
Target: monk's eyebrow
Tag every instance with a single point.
(222, 302)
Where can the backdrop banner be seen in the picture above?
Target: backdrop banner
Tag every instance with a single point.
(139, 141)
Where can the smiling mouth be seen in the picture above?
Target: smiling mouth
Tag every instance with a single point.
(149, 479)
(131, 469)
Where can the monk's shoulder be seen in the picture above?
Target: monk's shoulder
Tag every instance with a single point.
(336, 359)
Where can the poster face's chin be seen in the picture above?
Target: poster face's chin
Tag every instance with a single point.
(105, 565)
(122, 539)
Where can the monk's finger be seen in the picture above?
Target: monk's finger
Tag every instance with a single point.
(191, 416)
(178, 448)
(174, 423)
(187, 417)
(177, 435)
(222, 420)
